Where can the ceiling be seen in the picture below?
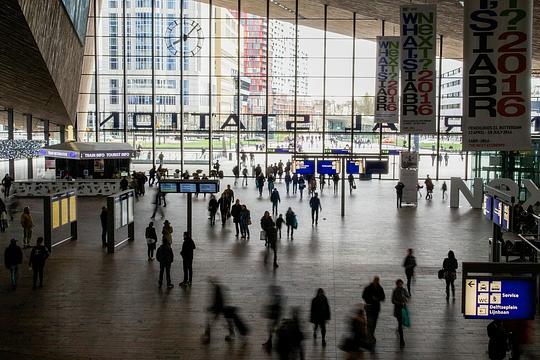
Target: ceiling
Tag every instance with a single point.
(449, 18)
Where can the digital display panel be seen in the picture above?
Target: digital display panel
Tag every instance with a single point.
(208, 188)
(505, 222)
(497, 211)
(168, 187)
(488, 206)
(188, 187)
(499, 298)
(304, 167)
(328, 167)
(376, 166)
(130, 208)
(355, 166)
(117, 213)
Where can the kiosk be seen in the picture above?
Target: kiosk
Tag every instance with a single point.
(120, 214)
(59, 214)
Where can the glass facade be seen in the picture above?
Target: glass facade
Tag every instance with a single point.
(210, 81)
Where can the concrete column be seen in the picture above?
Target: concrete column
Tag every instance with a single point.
(62, 133)
(30, 166)
(11, 131)
(46, 132)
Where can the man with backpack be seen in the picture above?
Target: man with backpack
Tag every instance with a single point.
(37, 261)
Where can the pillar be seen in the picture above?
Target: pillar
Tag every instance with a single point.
(30, 172)
(11, 131)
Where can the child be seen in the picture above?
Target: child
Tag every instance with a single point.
(279, 223)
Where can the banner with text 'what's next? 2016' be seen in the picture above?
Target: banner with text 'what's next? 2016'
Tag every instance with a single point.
(418, 52)
(387, 80)
(497, 74)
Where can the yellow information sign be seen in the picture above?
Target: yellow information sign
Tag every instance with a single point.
(64, 209)
(55, 214)
(73, 208)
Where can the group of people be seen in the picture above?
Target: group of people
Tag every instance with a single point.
(13, 258)
(428, 183)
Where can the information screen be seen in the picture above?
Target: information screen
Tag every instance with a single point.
(376, 166)
(168, 187)
(497, 211)
(208, 188)
(328, 167)
(505, 222)
(188, 187)
(130, 207)
(355, 167)
(499, 298)
(304, 167)
(488, 206)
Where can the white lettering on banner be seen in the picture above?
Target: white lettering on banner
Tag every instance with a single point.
(418, 52)
(387, 80)
(475, 197)
(105, 155)
(497, 74)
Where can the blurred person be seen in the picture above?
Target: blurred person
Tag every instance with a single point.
(13, 257)
(400, 296)
(320, 314)
(373, 295)
(290, 337)
(273, 312)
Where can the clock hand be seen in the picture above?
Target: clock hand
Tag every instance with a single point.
(193, 29)
(177, 41)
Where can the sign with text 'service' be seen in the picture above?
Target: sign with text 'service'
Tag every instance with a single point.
(497, 74)
(499, 298)
(387, 80)
(418, 52)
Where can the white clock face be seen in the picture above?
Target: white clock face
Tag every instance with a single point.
(192, 39)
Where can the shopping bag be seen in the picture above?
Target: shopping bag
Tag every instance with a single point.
(263, 235)
(405, 317)
(440, 274)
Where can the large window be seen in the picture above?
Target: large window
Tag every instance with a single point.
(202, 82)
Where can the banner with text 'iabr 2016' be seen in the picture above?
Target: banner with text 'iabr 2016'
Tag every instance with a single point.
(497, 74)
(418, 54)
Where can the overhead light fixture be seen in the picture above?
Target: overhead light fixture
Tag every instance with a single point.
(277, 3)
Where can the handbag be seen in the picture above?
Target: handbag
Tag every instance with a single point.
(263, 235)
(440, 274)
(405, 318)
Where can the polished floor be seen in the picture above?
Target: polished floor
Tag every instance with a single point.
(100, 306)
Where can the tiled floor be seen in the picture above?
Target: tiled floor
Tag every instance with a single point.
(96, 305)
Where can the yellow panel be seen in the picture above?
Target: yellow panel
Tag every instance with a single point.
(55, 214)
(73, 208)
(65, 209)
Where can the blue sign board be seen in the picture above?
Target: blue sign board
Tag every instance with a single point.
(304, 167)
(354, 166)
(499, 298)
(497, 211)
(505, 219)
(328, 167)
(488, 206)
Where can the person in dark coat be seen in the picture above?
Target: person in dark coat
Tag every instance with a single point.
(400, 296)
(498, 339)
(124, 184)
(37, 261)
(409, 264)
(165, 256)
(266, 224)
(6, 182)
(291, 222)
(373, 295)
(399, 193)
(103, 217)
(450, 266)
(12, 259)
(320, 314)
(213, 207)
(187, 257)
(151, 240)
(315, 205)
(290, 337)
(224, 208)
(271, 236)
(275, 199)
(273, 314)
(215, 310)
(235, 213)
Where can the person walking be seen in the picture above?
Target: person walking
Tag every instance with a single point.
(266, 224)
(152, 176)
(444, 188)
(290, 337)
(3, 217)
(273, 313)
(165, 256)
(187, 259)
(157, 204)
(315, 205)
(373, 295)
(275, 199)
(352, 185)
(245, 221)
(235, 213)
(446, 158)
(450, 266)
(236, 173)
(271, 236)
(27, 224)
(224, 208)
(166, 232)
(6, 183)
(429, 188)
(291, 222)
(213, 207)
(124, 184)
(295, 183)
(400, 296)
(279, 224)
(409, 264)
(270, 181)
(37, 262)
(259, 182)
(245, 176)
(103, 217)
(399, 193)
(161, 157)
(322, 182)
(13, 257)
(151, 240)
(288, 180)
(320, 314)
(335, 180)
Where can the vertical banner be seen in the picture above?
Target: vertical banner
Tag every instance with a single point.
(418, 55)
(387, 80)
(497, 73)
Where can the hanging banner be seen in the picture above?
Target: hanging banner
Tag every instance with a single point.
(418, 54)
(387, 80)
(497, 75)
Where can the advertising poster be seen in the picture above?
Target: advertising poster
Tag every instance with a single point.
(409, 177)
(387, 80)
(64, 209)
(73, 208)
(409, 159)
(497, 75)
(55, 213)
(418, 53)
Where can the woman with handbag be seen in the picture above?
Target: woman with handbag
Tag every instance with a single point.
(400, 296)
(291, 222)
(450, 266)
